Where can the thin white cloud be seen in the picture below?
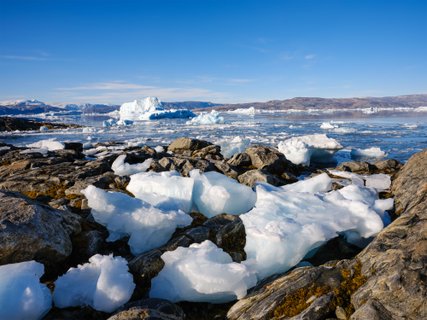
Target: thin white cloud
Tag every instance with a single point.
(310, 56)
(119, 91)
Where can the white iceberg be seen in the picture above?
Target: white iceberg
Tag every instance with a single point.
(121, 168)
(150, 108)
(244, 111)
(165, 190)
(328, 126)
(147, 227)
(215, 193)
(201, 273)
(104, 284)
(285, 225)
(373, 152)
(304, 149)
(114, 122)
(229, 147)
(205, 118)
(22, 296)
(47, 144)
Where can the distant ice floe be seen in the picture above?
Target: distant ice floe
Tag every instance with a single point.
(289, 222)
(22, 296)
(231, 146)
(421, 109)
(205, 118)
(334, 127)
(410, 125)
(304, 149)
(119, 123)
(123, 215)
(48, 144)
(373, 152)
(121, 168)
(104, 284)
(150, 108)
(244, 111)
(201, 273)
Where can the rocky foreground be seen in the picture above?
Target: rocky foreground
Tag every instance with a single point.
(45, 217)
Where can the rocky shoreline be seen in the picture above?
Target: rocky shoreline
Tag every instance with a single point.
(45, 217)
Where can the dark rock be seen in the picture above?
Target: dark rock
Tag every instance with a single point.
(85, 313)
(232, 239)
(21, 124)
(357, 167)
(32, 231)
(210, 152)
(251, 177)
(269, 159)
(183, 145)
(76, 146)
(149, 309)
(389, 166)
(240, 160)
(227, 169)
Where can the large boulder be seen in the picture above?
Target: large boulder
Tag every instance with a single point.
(149, 309)
(387, 280)
(32, 231)
(269, 159)
(186, 146)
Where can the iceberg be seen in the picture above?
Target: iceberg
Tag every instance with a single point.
(206, 118)
(147, 227)
(287, 223)
(121, 168)
(373, 152)
(165, 190)
(215, 193)
(304, 149)
(244, 111)
(150, 108)
(229, 147)
(104, 284)
(22, 296)
(201, 273)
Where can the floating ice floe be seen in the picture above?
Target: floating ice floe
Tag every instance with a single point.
(215, 193)
(43, 129)
(165, 190)
(121, 168)
(48, 144)
(373, 152)
(421, 109)
(304, 149)
(22, 296)
(201, 273)
(319, 183)
(288, 223)
(104, 284)
(328, 126)
(229, 147)
(206, 118)
(244, 111)
(114, 122)
(147, 227)
(150, 108)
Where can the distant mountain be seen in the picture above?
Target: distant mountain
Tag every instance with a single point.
(92, 108)
(24, 107)
(301, 103)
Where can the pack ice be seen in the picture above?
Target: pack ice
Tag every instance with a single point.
(289, 222)
(206, 118)
(148, 227)
(150, 108)
(22, 296)
(104, 284)
(201, 273)
(313, 147)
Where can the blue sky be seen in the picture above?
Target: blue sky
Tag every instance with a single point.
(212, 50)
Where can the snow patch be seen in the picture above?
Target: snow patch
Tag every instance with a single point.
(48, 144)
(121, 168)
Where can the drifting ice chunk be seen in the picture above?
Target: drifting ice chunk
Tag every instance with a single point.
(215, 193)
(148, 227)
(114, 122)
(319, 183)
(104, 284)
(373, 152)
(314, 147)
(165, 190)
(48, 144)
(201, 273)
(207, 118)
(328, 126)
(150, 108)
(285, 225)
(233, 146)
(121, 168)
(245, 111)
(378, 181)
(22, 296)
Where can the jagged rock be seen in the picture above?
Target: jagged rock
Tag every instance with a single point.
(240, 160)
(269, 159)
(187, 145)
(74, 313)
(389, 166)
(384, 281)
(149, 309)
(227, 169)
(32, 231)
(357, 167)
(211, 152)
(251, 177)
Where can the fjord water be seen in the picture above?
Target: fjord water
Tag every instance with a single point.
(399, 136)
